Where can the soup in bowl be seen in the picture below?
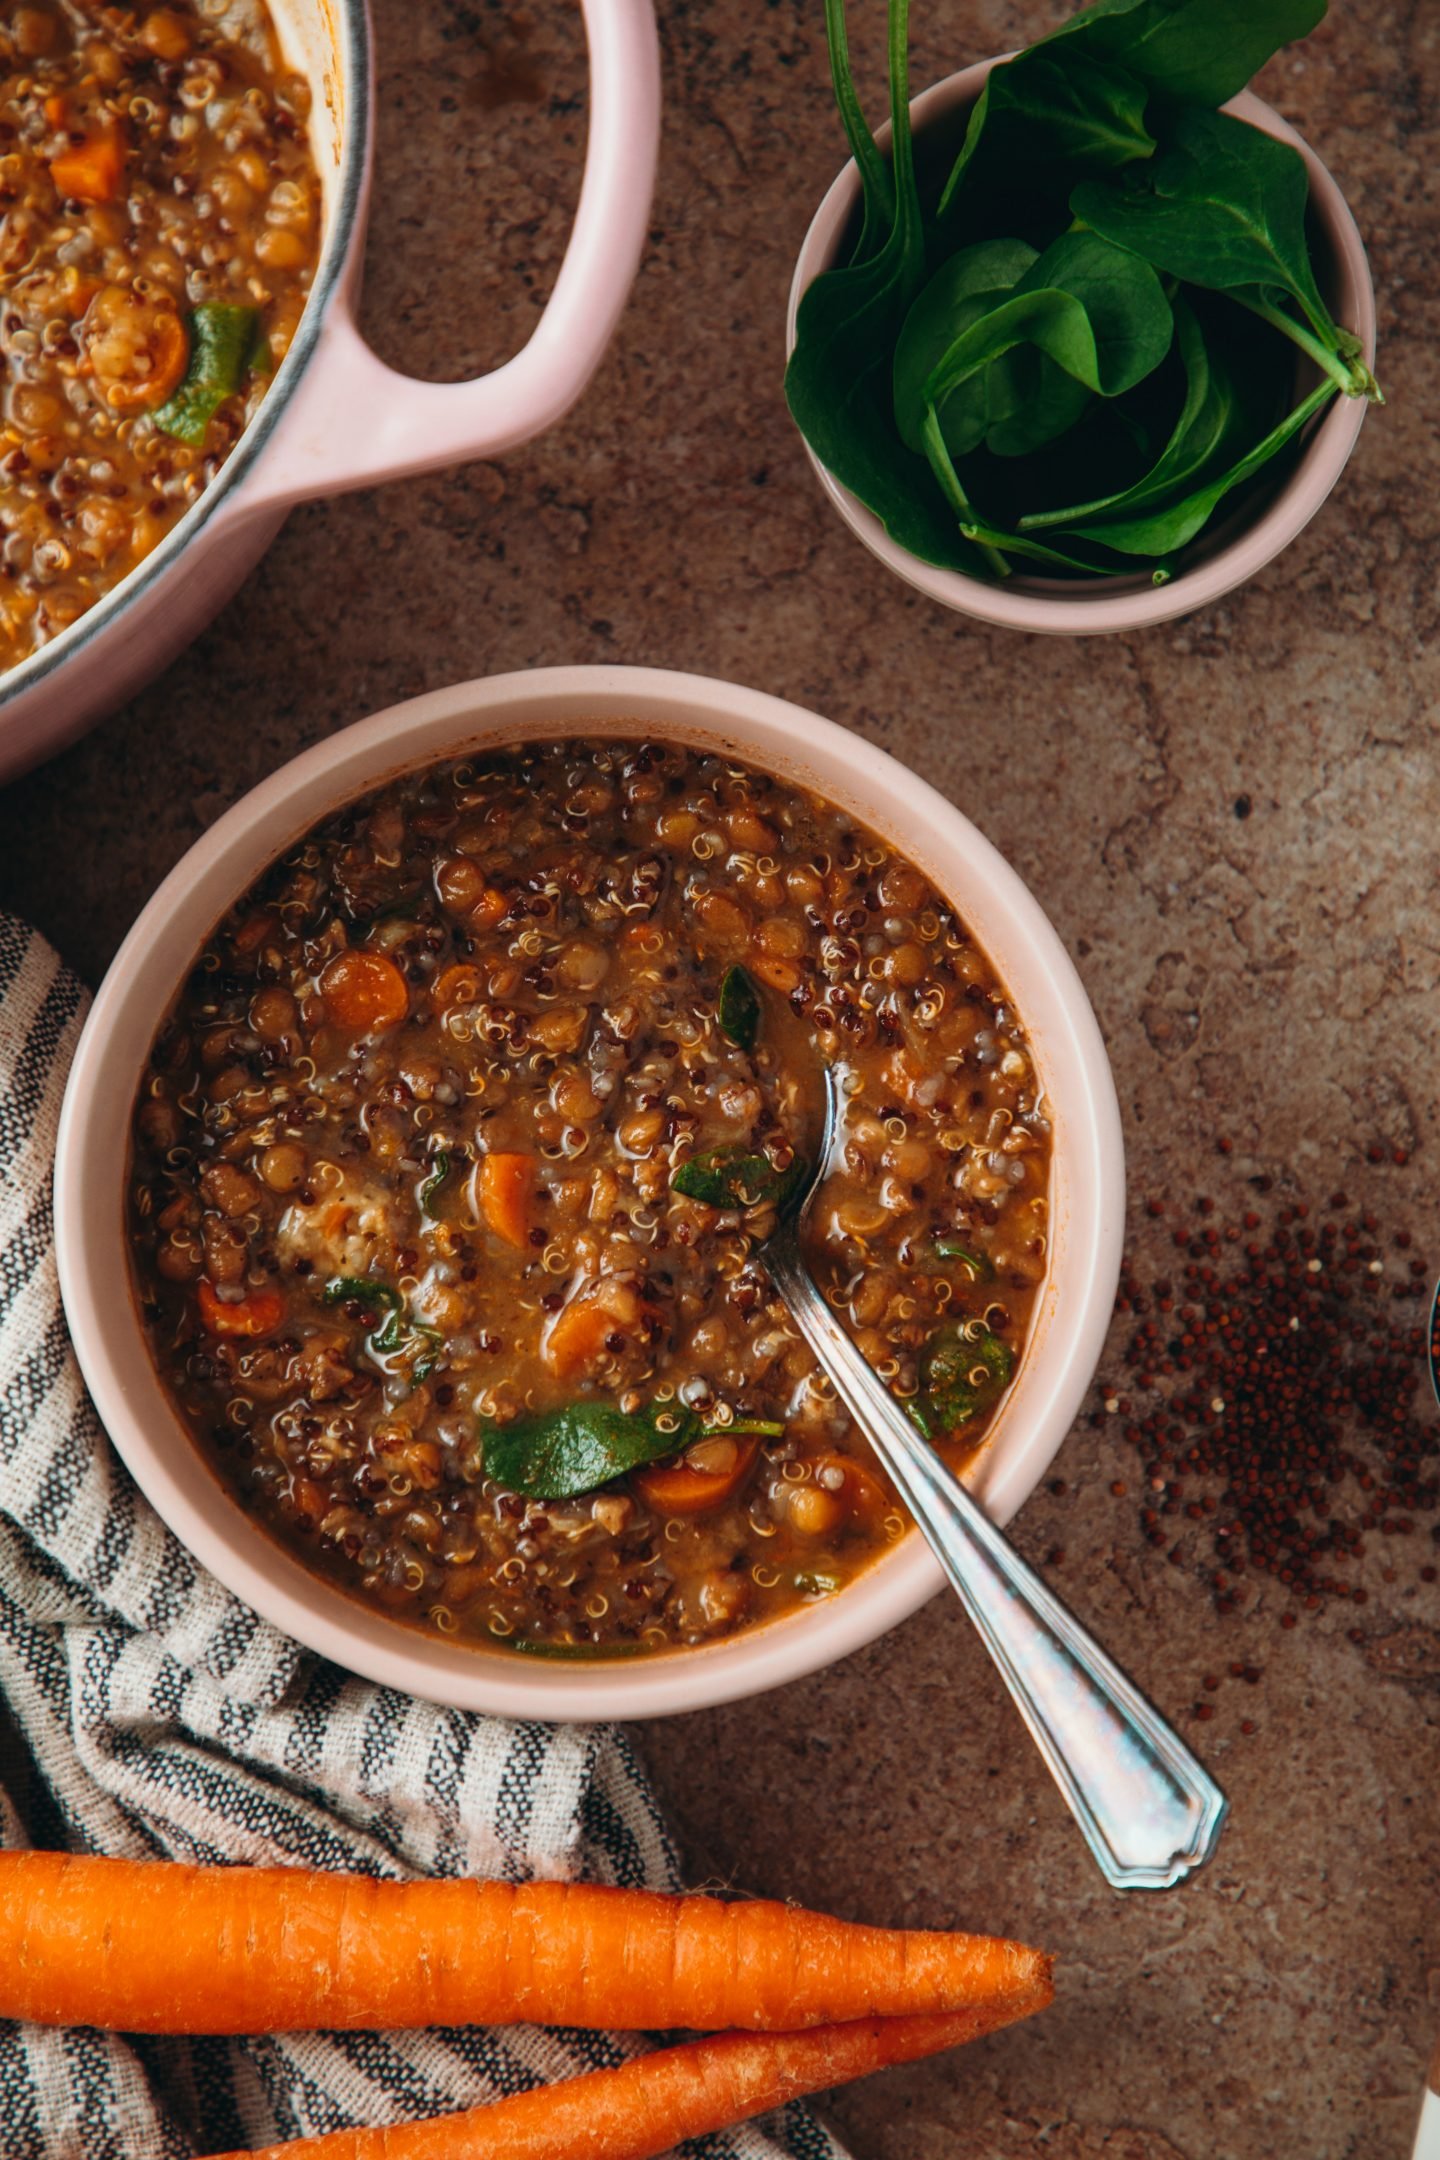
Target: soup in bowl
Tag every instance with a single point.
(443, 1178)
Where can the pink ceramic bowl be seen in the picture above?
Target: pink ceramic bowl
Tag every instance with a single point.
(337, 418)
(1240, 543)
(1087, 1196)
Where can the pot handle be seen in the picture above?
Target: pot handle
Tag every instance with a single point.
(353, 421)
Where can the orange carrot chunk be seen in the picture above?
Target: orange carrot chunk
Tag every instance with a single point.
(575, 1340)
(678, 1489)
(259, 1314)
(364, 991)
(503, 1188)
(259, 1950)
(658, 2101)
(91, 171)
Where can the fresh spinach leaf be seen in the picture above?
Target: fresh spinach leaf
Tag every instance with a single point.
(991, 266)
(837, 382)
(558, 1453)
(1098, 311)
(876, 187)
(1079, 557)
(1043, 116)
(963, 1372)
(1030, 402)
(1065, 408)
(1222, 206)
(733, 1177)
(1199, 426)
(739, 1008)
(963, 289)
(1163, 531)
(1202, 51)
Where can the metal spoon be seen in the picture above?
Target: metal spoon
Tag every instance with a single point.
(1148, 1810)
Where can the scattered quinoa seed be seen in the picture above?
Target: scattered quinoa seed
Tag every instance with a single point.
(1276, 1400)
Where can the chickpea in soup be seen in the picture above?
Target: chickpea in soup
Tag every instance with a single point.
(159, 222)
(451, 1164)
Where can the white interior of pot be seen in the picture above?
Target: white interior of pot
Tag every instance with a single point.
(310, 32)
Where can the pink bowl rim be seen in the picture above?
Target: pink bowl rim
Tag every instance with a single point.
(1088, 1185)
(1021, 607)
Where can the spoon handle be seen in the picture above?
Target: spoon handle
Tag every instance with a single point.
(1149, 1812)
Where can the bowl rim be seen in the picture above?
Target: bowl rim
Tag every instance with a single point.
(1088, 1185)
(1021, 606)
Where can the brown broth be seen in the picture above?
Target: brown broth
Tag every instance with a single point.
(409, 1169)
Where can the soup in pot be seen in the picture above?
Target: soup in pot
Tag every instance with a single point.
(159, 228)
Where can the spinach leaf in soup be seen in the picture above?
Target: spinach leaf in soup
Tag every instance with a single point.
(965, 1368)
(222, 349)
(739, 1008)
(558, 1454)
(1201, 51)
(572, 1653)
(733, 1177)
(395, 1335)
(432, 1186)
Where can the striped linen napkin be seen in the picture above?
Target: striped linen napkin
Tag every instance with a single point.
(145, 1711)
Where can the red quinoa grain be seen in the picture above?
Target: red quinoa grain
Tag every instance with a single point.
(1280, 1409)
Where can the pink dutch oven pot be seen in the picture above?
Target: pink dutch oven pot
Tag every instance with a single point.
(336, 417)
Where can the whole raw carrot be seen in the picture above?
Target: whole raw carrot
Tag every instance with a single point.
(658, 2101)
(155, 1946)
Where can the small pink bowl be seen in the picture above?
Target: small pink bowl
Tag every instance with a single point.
(1244, 541)
(1087, 1185)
